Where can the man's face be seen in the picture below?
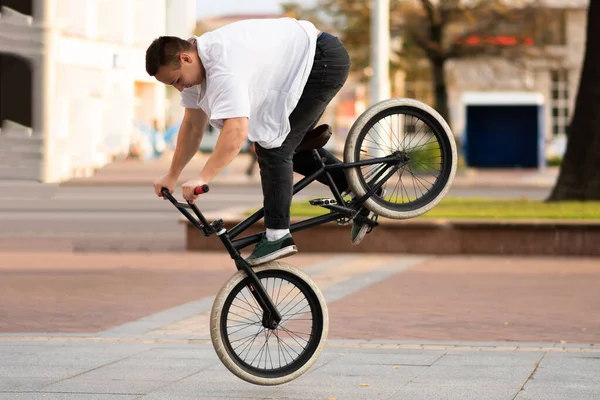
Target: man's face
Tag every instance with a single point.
(188, 75)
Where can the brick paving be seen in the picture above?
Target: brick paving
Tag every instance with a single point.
(87, 293)
(436, 299)
(478, 299)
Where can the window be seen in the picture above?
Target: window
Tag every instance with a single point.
(559, 88)
(22, 6)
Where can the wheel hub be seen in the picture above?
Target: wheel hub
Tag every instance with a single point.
(268, 322)
(402, 156)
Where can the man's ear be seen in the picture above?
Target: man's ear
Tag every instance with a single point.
(185, 58)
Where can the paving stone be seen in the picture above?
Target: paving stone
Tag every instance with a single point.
(216, 384)
(396, 357)
(123, 386)
(175, 371)
(569, 369)
(51, 360)
(63, 396)
(458, 389)
(548, 390)
(474, 374)
(38, 371)
(503, 359)
(142, 373)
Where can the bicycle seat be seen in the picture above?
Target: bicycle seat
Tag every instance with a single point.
(315, 139)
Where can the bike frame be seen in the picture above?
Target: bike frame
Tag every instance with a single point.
(341, 209)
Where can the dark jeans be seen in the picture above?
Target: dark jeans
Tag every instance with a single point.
(328, 75)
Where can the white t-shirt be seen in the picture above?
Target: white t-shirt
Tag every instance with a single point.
(255, 69)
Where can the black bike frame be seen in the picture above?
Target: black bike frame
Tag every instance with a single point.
(340, 210)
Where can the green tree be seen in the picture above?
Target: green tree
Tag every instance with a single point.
(438, 31)
(579, 177)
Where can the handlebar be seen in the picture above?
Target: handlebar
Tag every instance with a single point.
(202, 224)
(201, 189)
(198, 190)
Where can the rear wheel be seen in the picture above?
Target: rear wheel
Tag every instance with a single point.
(417, 131)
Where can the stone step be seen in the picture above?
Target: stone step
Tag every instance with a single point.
(21, 152)
(33, 171)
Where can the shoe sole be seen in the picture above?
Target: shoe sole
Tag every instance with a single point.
(362, 232)
(281, 253)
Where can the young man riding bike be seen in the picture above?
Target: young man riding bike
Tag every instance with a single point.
(267, 81)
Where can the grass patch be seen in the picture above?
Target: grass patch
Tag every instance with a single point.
(491, 209)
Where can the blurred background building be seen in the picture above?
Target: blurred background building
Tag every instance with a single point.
(504, 112)
(515, 113)
(73, 73)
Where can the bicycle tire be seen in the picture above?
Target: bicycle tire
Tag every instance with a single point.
(219, 315)
(352, 149)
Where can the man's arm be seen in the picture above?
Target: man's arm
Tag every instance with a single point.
(230, 142)
(188, 139)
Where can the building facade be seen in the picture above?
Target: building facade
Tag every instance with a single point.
(553, 81)
(74, 89)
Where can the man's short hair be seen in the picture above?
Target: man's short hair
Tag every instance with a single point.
(165, 50)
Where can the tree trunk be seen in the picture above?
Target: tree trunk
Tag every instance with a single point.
(579, 177)
(439, 89)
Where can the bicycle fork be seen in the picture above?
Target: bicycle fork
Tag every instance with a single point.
(271, 316)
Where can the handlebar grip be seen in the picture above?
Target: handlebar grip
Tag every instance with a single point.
(201, 189)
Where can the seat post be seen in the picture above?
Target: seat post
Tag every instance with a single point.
(334, 190)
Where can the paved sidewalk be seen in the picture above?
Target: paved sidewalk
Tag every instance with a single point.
(144, 173)
(135, 326)
(63, 368)
(369, 296)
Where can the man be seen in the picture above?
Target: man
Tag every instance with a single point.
(267, 81)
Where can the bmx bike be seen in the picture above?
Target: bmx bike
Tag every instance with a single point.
(269, 323)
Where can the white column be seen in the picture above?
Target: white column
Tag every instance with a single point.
(91, 19)
(380, 58)
(181, 17)
(181, 22)
(37, 67)
(380, 50)
(44, 78)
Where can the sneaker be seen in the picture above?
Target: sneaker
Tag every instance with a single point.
(360, 230)
(266, 251)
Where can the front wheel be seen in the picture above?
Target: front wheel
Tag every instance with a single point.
(425, 142)
(265, 356)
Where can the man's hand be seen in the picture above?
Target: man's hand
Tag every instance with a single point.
(168, 181)
(187, 189)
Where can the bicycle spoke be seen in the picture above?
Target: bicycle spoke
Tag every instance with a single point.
(252, 344)
(405, 132)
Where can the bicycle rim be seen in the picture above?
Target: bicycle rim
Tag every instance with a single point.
(272, 353)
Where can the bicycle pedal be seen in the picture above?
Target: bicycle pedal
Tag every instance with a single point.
(374, 219)
(322, 202)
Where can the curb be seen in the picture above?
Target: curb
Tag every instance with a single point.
(435, 236)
